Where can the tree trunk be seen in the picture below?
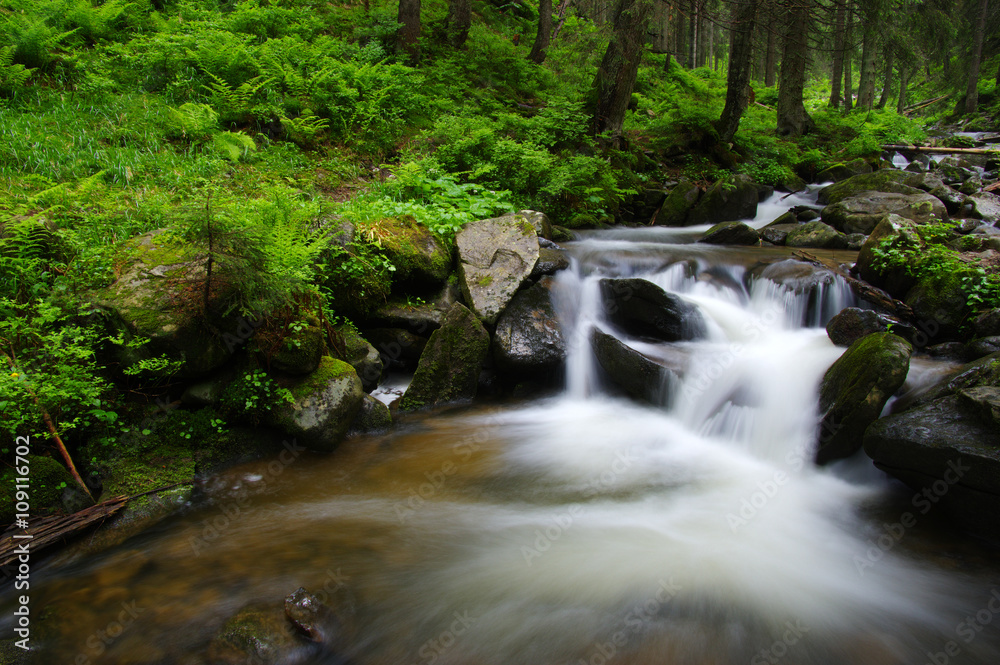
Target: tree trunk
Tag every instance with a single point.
(770, 57)
(904, 77)
(887, 79)
(972, 89)
(537, 54)
(681, 32)
(562, 19)
(792, 117)
(408, 36)
(849, 58)
(619, 67)
(693, 36)
(838, 56)
(460, 20)
(740, 60)
(866, 84)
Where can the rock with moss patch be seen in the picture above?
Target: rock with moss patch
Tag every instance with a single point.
(539, 220)
(843, 171)
(853, 323)
(153, 298)
(895, 280)
(941, 298)
(449, 366)
(496, 256)
(324, 405)
(420, 257)
(731, 233)
(679, 202)
(300, 351)
(261, 634)
(986, 206)
(860, 214)
(776, 234)
(728, 199)
(528, 338)
(53, 489)
(550, 261)
(362, 356)
(884, 180)
(856, 388)
(816, 234)
(373, 417)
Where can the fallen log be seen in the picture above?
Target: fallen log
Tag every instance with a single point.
(941, 149)
(917, 107)
(877, 297)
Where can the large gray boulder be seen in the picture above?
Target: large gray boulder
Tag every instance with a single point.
(856, 388)
(843, 171)
(638, 375)
(324, 404)
(528, 338)
(449, 366)
(726, 200)
(643, 309)
(731, 233)
(986, 206)
(861, 213)
(496, 256)
(885, 180)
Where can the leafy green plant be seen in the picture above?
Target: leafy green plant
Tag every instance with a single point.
(253, 395)
(12, 76)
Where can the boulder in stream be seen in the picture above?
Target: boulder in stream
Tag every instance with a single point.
(884, 180)
(728, 199)
(450, 364)
(496, 256)
(853, 323)
(894, 280)
(731, 233)
(643, 309)
(324, 404)
(843, 171)
(528, 338)
(855, 389)
(861, 213)
(638, 375)
(986, 206)
(816, 234)
(679, 202)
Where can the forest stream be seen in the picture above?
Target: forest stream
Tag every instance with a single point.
(580, 527)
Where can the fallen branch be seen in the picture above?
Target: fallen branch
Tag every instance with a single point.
(941, 150)
(992, 188)
(862, 289)
(46, 531)
(917, 107)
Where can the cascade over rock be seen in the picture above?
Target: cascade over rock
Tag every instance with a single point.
(643, 309)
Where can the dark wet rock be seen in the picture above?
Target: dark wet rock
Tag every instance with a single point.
(860, 214)
(265, 635)
(777, 233)
(853, 323)
(420, 257)
(53, 489)
(678, 203)
(324, 405)
(946, 447)
(360, 354)
(971, 186)
(982, 346)
(300, 351)
(397, 347)
(496, 256)
(205, 393)
(310, 617)
(843, 171)
(731, 233)
(788, 217)
(965, 226)
(947, 351)
(940, 298)
(449, 366)
(726, 200)
(643, 309)
(895, 280)
(953, 201)
(987, 324)
(550, 261)
(855, 241)
(986, 206)
(981, 372)
(798, 276)
(816, 234)
(804, 214)
(373, 417)
(638, 375)
(528, 338)
(855, 389)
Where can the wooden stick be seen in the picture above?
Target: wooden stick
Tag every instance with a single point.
(937, 149)
(917, 107)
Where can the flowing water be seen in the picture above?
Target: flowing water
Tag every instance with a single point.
(579, 528)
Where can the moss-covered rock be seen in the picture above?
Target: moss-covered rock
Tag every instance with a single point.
(856, 388)
(362, 356)
(894, 280)
(815, 234)
(681, 199)
(324, 405)
(942, 299)
(861, 213)
(158, 296)
(261, 634)
(51, 490)
(496, 256)
(843, 171)
(776, 234)
(373, 417)
(539, 220)
(300, 351)
(450, 364)
(885, 180)
(731, 233)
(421, 258)
(726, 200)
(853, 323)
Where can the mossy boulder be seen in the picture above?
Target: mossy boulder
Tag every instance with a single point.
(420, 257)
(681, 199)
(843, 171)
(815, 234)
(884, 180)
(894, 280)
(985, 206)
(159, 296)
(731, 233)
(360, 354)
(777, 233)
(550, 261)
(496, 256)
(987, 324)
(324, 405)
(261, 634)
(942, 299)
(528, 337)
(52, 490)
(853, 323)
(861, 213)
(300, 351)
(450, 364)
(728, 199)
(373, 417)
(539, 220)
(855, 389)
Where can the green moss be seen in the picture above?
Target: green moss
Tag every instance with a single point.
(330, 369)
(51, 488)
(485, 280)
